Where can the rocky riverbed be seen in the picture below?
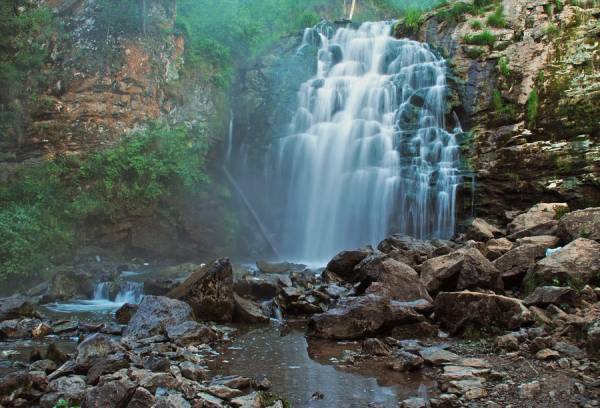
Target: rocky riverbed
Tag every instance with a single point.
(499, 316)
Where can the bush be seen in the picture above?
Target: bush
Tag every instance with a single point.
(412, 19)
(496, 19)
(484, 38)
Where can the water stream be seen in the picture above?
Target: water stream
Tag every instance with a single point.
(368, 150)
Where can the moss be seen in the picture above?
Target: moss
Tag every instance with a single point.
(474, 52)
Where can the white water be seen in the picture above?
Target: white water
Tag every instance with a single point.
(368, 152)
(129, 292)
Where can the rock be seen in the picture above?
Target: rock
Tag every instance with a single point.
(437, 355)
(156, 363)
(507, 342)
(70, 389)
(251, 400)
(22, 384)
(124, 314)
(105, 365)
(193, 371)
(518, 261)
(544, 241)
(396, 279)
(41, 330)
(580, 224)
(538, 220)
(110, 394)
(481, 230)
(154, 314)
(262, 287)
(593, 337)
(497, 247)
(375, 347)
(233, 381)
(54, 354)
(46, 366)
(414, 402)
(402, 242)
(342, 265)
(209, 291)
(160, 287)
(96, 346)
(69, 284)
(577, 262)
(224, 392)
(171, 400)
(405, 361)
(204, 400)
(547, 354)
(357, 317)
(530, 390)
(190, 332)
(141, 398)
(556, 295)
(459, 270)
(15, 307)
(15, 329)
(420, 330)
(458, 310)
(279, 267)
(247, 311)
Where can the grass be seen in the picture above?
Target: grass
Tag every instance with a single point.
(484, 38)
(560, 212)
(503, 66)
(496, 19)
(476, 24)
(551, 30)
(412, 19)
(533, 104)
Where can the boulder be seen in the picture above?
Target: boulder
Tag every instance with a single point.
(518, 261)
(408, 250)
(141, 398)
(361, 316)
(124, 314)
(405, 361)
(544, 241)
(15, 307)
(261, 287)
(209, 291)
(580, 224)
(481, 230)
(495, 248)
(69, 389)
(458, 310)
(96, 346)
(69, 284)
(246, 311)
(376, 347)
(154, 314)
(23, 385)
(110, 394)
(556, 295)
(541, 219)
(342, 265)
(190, 332)
(593, 337)
(160, 287)
(462, 269)
(279, 267)
(395, 279)
(578, 262)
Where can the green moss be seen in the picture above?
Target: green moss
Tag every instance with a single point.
(533, 103)
(484, 38)
(474, 52)
(496, 19)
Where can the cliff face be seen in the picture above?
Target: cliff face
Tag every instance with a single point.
(530, 100)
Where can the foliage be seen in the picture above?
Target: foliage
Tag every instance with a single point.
(548, 9)
(484, 38)
(496, 19)
(476, 24)
(503, 66)
(532, 107)
(460, 9)
(551, 30)
(62, 403)
(561, 212)
(559, 6)
(474, 52)
(412, 19)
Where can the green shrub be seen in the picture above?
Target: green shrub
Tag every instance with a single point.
(559, 5)
(496, 19)
(457, 12)
(532, 107)
(548, 9)
(476, 24)
(503, 66)
(484, 38)
(412, 19)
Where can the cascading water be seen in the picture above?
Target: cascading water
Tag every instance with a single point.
(368, 151)
(129, 292)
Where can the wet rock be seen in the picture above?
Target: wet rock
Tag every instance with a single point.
(518, 261)
(538, 220)
(248, 401)
(579, 261)
(405, 361)
(22, 384)
(545, 295)
(420, 330)
(259, 287)
(141, 398)
(402, 242)
(46, 366)
(53, 353)
(193, 371)
(70, 389)
(96, 346)
(357, 317)
(152, 381)
(530, 390)
(247, 311)
(171, 400)
(460, 270)
(105, 365)
(224, 392)
(191, 332)
(154, 314)
(481, 230)
(70, 284)
(375, 347)
(156, 364)
(15, 329)
(209, 291)
(124, 314)
(279, 267)
(204, 400)
(110, 394)
(65, 326)
(15, 307)
(395, 279)
(457, 310)
(342, 265)
(233, 381)
(414, 402)
(580, 224)
(437, 355)
(497, 247)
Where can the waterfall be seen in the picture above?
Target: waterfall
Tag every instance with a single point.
(368, 151)
(130, 292)
(101, 291)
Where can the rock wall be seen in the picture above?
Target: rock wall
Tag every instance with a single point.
(519, 158)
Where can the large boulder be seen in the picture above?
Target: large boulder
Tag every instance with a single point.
(69, 284)
(462, 269)
(96, 346)
(394, 279)
(580, 224)
(361, 316)
(342, 265)
(154, 314)
(556, 295)
(190, 332)
(541, 219)
(517, 262)
(578, 262)
(279, 267)
(110, 394)
(481, 230)
(15, 307)
(70, 389)
(495, 248)
(209, 291)
(408, 250)
(247, 311)
(458, 310)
